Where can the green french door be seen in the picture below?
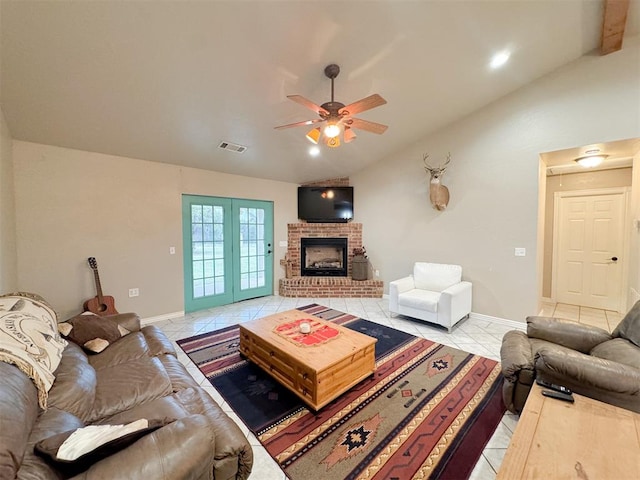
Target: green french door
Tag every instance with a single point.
(228, 245)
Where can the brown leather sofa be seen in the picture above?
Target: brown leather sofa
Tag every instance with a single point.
(136, 377)
(588, 360)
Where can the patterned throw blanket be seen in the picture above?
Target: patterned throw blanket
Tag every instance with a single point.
(29, 339)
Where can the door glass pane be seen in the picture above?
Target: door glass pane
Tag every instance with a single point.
(198, 271)
(196, 213)
(198, 288)
(218, 215)
(207, 232)
(208, 268)
(207, 214)
(196, 232)
(219, 284)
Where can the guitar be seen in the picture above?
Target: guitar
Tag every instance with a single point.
(100, 304)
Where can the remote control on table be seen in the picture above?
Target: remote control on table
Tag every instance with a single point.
(553, 386)
(560, 396)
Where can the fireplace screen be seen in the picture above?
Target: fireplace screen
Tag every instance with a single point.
(324, 256)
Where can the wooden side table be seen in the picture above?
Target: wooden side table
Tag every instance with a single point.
(584, 440)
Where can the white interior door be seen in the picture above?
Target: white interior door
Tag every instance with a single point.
(589, 233)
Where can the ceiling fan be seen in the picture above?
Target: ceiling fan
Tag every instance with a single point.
(337, 116)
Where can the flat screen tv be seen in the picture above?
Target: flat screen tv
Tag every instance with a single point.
(325, 204)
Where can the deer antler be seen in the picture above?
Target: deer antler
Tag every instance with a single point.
(426, 165)
(448, 160)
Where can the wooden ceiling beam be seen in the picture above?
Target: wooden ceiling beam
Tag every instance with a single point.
(615, 17)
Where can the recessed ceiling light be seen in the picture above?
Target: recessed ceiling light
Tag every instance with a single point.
(499, 59)
(314, 151)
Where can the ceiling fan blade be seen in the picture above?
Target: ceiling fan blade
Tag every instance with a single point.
(299, 124)
(372, 127)
(372, 101)
(308, 103)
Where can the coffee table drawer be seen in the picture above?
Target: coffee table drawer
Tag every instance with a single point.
(268, 358)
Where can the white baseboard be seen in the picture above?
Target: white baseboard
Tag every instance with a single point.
(501, 321)
(489, 318)
(160, 318)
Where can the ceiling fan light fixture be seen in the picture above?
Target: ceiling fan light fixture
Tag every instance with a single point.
(332, 130)
(333, 142)
(349, 135)
(314, 135)
(590, 161)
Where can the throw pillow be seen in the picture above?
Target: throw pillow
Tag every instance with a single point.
(76, 450)
(92, 332)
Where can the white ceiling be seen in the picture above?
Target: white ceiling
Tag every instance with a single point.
(168, 81)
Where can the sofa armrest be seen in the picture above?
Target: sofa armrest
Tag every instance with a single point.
(575, 336)
(130, 321)
(516, 358)
(515, 354)
(402, 285)
(582, 372)
(455, 301)
(396, 288)
(182, 449)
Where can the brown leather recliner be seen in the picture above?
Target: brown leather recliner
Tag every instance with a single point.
(588, 360)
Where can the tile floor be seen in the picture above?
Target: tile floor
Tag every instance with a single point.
(476, 336)
(605, 319)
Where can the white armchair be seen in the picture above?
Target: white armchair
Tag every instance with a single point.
(434, 293)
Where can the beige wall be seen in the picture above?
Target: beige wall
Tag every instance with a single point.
(619, 177)
(8, 259)
(634, 244)
(493, 180)
(125, 212)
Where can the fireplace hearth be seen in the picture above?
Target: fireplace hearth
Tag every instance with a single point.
(323, 257)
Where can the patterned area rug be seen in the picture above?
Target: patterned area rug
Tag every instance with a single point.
(427, 412)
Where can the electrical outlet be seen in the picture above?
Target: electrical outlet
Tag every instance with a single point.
(172, 250)
(377, 272)
(134, 292)
(520, 252)
(283, 243)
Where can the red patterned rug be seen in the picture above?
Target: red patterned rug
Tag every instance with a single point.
(427, 412)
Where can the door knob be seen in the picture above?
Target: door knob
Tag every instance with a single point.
(615, 259)
(269, 251)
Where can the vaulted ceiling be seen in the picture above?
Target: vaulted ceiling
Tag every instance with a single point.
(169, 81)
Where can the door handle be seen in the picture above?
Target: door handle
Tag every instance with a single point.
(615, 259)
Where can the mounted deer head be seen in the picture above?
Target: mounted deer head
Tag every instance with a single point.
(438, 193)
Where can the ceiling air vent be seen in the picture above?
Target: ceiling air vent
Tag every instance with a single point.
(232, 147)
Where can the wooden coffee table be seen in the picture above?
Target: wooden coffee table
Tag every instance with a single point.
(318, 366)
(587, 439)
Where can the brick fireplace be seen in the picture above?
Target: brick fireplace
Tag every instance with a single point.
(324, 285)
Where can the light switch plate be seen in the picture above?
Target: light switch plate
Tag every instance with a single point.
(520, 252)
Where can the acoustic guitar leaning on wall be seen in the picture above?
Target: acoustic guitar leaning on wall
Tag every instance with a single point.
(100, 304)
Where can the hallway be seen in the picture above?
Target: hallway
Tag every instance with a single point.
(605, 319)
